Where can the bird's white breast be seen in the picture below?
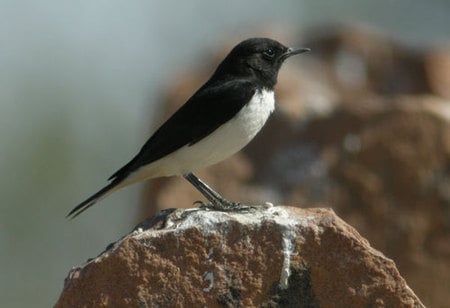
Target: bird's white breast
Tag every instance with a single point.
(225, 141)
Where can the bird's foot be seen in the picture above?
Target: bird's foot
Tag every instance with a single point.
(225, 206)
(203, 205)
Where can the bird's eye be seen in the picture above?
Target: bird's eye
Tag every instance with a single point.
(269, 53)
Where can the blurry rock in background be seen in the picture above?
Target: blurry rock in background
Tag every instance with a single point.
(362, 125)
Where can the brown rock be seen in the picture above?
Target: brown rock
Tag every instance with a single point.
(268, 257)
(359, 61)
(438, 70)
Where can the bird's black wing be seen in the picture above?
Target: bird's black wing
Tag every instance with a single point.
(210, 107)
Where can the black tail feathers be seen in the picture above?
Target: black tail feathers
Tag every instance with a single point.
(83, 206)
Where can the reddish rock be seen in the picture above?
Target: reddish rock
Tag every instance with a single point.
(269, 257)
(438, 70)
(359, 62)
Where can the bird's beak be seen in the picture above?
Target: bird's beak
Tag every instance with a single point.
(294, 51)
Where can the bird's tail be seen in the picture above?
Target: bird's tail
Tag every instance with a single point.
(83, 206)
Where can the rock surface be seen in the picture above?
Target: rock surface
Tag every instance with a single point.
(267, 257)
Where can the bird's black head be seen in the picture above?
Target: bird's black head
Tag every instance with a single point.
(259, 58)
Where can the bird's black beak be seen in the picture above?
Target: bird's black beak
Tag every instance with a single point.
(294, 51)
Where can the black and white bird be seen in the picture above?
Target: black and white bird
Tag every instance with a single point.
(215, 123)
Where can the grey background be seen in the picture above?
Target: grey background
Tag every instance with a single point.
(78, 83)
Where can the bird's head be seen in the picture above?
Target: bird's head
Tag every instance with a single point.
(258, 57)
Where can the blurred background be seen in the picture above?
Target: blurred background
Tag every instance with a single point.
(362, 124)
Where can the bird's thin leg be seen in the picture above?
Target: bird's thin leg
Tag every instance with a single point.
(217, 201)
(205, 190)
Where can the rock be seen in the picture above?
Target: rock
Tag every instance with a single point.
(359, 61)
(267, 257)
(438, 71)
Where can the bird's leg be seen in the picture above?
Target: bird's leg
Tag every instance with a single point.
(217, 201)
(205, 190)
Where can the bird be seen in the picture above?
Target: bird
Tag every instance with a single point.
(220, 118)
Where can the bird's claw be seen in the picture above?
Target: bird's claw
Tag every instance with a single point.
(224, 206)
(203, 205)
